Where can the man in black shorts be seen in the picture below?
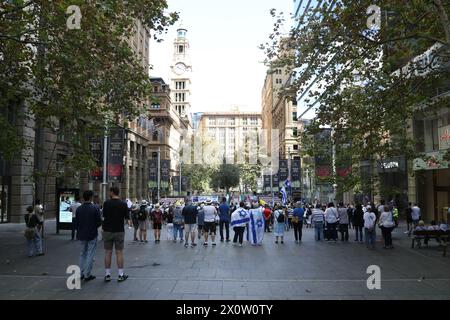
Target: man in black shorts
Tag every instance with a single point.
(115, 212)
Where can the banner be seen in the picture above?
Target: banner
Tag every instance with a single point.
(152, 173)
(296, 175)
(266, 186)
(276, 183)
(115, 154)
(184, 184)
(96, 149)
(176, 184)
(324, 156)
(165, 174)
(283, 172)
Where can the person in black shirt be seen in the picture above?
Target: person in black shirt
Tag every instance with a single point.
(190, 223)
(86, 223)
(115, 212)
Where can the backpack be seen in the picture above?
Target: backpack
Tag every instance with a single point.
(281, 217)
(142, 216)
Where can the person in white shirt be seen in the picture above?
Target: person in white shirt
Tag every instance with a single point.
(387, 224)
(317, 220)
(369, 228)
(210, 213)
(415, 215)
(73, 208)
(332, 219)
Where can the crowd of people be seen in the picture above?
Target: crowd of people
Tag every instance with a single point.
(192, 223)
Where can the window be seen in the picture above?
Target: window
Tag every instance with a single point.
(155, 106)
(222, 132)
(212, 132)
(231, 122)
(295, 146)
(180, 49)
(155, 136)
(294, 132)
(244, 122)
(294, 116)
(221, 121)
(254, 121)
(212, 121)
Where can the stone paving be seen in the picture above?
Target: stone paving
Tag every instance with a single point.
(311, 270)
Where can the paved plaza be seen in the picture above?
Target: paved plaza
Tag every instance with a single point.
(311, 270)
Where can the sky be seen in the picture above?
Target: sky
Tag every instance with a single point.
(224, 37)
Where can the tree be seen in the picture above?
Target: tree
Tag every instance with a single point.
(363, 82)
(77, 80)
(227, 176)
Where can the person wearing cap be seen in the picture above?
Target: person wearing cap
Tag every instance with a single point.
(210, 213)
(200, 220)
(157, 217)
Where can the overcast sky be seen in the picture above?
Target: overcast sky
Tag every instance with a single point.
(224, 38)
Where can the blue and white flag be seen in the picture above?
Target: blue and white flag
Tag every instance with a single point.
(283, 196)
(288, 185)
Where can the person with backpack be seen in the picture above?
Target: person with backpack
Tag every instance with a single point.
(34, 240)
(267, 215)
(157, 217)
(280, 220)
(297, 221)
(178, 222)
(134, 213)
(332, 219)
(143, 222)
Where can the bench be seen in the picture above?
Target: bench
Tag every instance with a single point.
(441, 236)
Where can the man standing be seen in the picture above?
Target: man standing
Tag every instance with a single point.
(369, 228)
(224, 215)
(297, 221)
(190, 223)
(73, 208)
(115, 212)
(87, 221)
(210, 223)
(157, 218)
(415, 216)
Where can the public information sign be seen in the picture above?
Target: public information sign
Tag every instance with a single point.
(115, 154)
(65, 198)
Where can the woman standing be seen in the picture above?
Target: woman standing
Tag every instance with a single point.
(32, 234)
(280, 220)
(387, 224)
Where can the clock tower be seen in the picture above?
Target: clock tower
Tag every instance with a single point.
(180, 75)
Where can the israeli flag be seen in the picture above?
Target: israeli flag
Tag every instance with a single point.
(283, 195)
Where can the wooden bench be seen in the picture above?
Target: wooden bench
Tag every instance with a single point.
(441, 236)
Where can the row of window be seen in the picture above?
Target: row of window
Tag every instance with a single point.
(232, 121)
(180, 97)
(180, 85)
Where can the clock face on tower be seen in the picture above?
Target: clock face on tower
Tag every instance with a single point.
(180, 68)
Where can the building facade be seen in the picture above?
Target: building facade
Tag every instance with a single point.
(47, 152)
(228, 128)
